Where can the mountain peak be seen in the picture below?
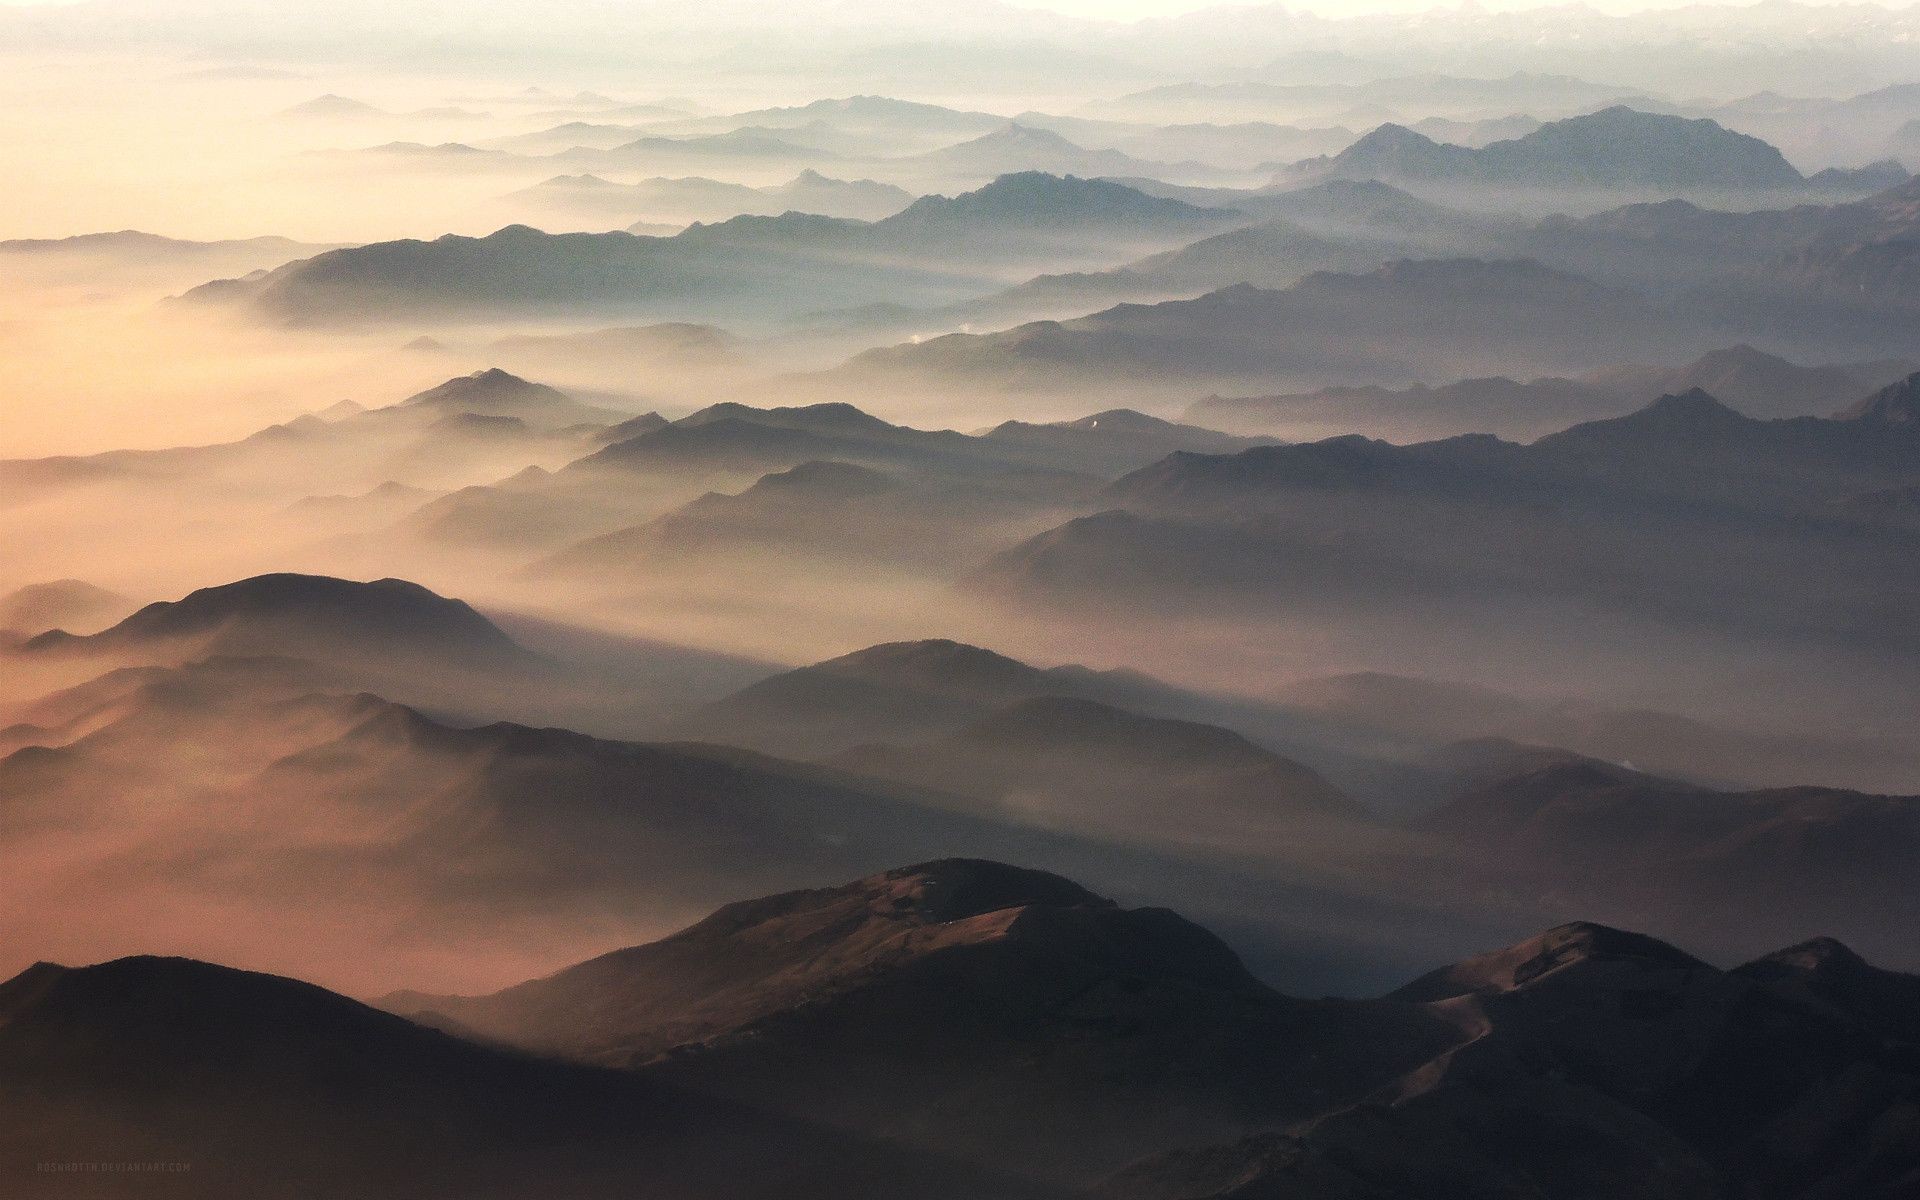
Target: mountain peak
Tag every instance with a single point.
(932, 661)
(288, 613)
(1895, 404)
(1691, 407)
(1561, 948)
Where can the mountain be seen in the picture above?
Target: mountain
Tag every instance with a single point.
(893, 1005)
(1599, 1059)
(1752, 381)
(1479, 731)
(334, 107)
(897, 692)
(750, 266)
(1113, 442)
(495, 393)
(470, 427)
(694, 199)
(1239, 146)
(1897, 404)
(1408, 319)
(1615, 148)
(1291, 97)
(1015, 149)
(1077, 763)
(646, 469)
(59, 603)
(389, 621)
(861, 199)
(1506, 408)
(1272, 254)
(1036, 198)
(361, 837)
(227, 1084)
(1424, 526)
(1707, 859)
(819, 516)
(744, 145)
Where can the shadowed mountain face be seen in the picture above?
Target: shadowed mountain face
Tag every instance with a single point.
(845, 1041)
(1601, 1062)
(1782, 858)
(230, 1084)
(968, 1008)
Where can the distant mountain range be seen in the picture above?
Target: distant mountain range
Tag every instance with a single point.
(732, 266)
(1616, 148)
(1408, 319)
(1750, 380)
(1196, 529)
(685, 201)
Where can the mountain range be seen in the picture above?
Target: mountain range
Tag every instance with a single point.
(1127, 1051)
(1615, 148)
(818, 262)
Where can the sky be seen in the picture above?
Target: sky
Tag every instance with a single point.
(1130, 10)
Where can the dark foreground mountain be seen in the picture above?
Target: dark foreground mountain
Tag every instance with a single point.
(166, 1077)
(968, 1009)
(1585, 1057)
(1607, 1063)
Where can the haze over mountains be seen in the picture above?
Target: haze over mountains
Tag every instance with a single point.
(1019, 603)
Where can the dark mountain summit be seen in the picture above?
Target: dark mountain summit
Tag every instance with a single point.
(300, 615)
(254, 1086)
(972, 1009)
(899, 691)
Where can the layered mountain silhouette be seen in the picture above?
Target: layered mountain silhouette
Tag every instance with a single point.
(1752, 381)
(1083, 764)
(686, 200)
(1520, 521)
(1796, 854)
(1617, 148)
(733, 266)
(305, 615)
(1406, 319)
(897, 692)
